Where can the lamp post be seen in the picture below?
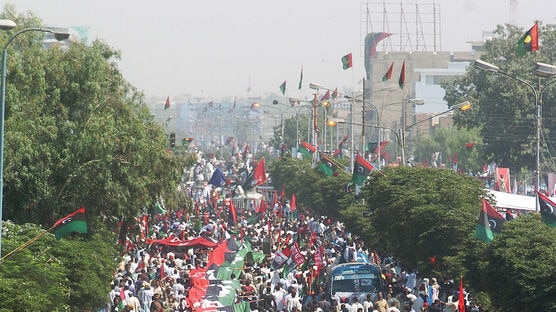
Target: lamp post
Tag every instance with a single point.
(401, 135)
(542, 70)
(6, 25)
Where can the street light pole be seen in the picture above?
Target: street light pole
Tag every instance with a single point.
(6, 25)
(541, 70)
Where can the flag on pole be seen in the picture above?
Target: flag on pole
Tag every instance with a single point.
(361, 170)
(461, 296)
(388, 73)
(335, 94)
(307, 149)
(327, 166)
(283, 87)
(293, 204)
(529, 42)
(401, 81)
(217, 178)
(347, 61)
(300, 79)
(489, 223)
(74, 222)
(326, 96)
(548, 212)
(259, 173)
(167, 105)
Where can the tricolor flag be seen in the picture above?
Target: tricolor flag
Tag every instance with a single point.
(307, 149)
(529, 42)
(547, 208)
(347, 61)
(489, 223)
(74, 222)
(361, 170)
(167, 105)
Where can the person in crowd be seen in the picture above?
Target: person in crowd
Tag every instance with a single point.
(381, 305)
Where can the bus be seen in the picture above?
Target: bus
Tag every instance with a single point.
(356, 279)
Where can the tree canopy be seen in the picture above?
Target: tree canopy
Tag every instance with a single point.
(78, 135)
(504, 108)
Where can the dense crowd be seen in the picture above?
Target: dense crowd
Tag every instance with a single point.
(156, 277)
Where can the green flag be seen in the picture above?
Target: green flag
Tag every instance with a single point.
(548, 210)
(326, 166)
(361, 169)
(529, 42)
(74, 222)
(307, 149)
(283, 87)
(347, 61)
(489, 223)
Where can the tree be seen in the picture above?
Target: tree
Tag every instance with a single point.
(503, 108)
(316, 192)
(517, 268)
(419, 214)
(71, 274)
(79, 135)
(450, 141)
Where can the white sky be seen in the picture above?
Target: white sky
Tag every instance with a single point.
(217, 48)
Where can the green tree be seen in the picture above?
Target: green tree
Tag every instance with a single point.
(421, 213)
(517, 268)
(314, 191)
(450, 141)
(78, 135)
(71, 274)
(504, 108)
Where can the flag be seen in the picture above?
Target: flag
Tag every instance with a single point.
(283, 87)
(326, 96)
(293, 204)
(388, 73)
(326, 166)
(186, 141)
(372, 40)
(489, 223)
(307, 149)
(361, 170)
(455, 162)
(335, 94)
(461, 296)
(548, 213)
(233, 212)
(167, 105)
(262, 207)
(300, 79)
(401, 81)
(529, 42)
(347, 61)
(259, 173)
(217, 178)
(74, 222)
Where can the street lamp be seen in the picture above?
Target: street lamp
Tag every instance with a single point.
(6, 25)
(541, 70)
(463, 106)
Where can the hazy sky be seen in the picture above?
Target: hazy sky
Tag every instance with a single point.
(220, 48)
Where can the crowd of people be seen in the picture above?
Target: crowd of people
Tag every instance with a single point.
(162, 277)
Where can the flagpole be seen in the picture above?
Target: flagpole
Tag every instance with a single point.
(26, 244)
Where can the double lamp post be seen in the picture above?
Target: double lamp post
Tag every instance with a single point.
(542, 70)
